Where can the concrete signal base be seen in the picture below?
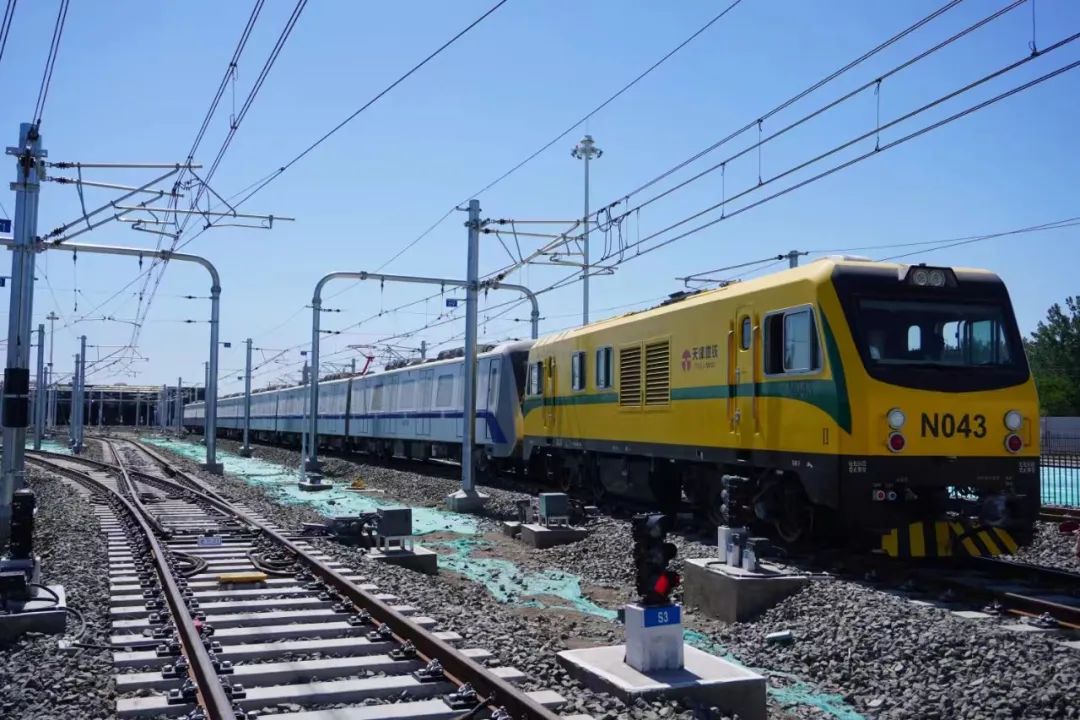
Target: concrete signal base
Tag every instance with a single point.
(314, 483)
(545, 536)
(40, 614)
(213, 468)
(703, 677)
(463, 502)
(244, 452)
(417, 558)
(732, 594)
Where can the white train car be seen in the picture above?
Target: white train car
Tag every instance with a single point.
(414, 411)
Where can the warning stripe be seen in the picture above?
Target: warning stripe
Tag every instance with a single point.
(988, 541)
(916, 540)
(944, 540)
(967, 542)
(1007, 540)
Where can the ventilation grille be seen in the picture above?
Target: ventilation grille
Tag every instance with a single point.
(630, 377)
(657, 374)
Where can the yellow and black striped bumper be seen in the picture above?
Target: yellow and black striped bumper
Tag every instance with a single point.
(947, 539)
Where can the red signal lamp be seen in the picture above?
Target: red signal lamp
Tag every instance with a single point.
(1013, 443)
(897, 442)
(665, 583)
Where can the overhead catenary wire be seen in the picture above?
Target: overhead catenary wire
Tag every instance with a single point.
(50, 62)
(761, 141)
(259, 185)
(234, 125)
(804, 93)
(618, 93)
(327, 135)
(5, 29)
(876, 151)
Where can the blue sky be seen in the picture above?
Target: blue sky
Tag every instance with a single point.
(134, 80)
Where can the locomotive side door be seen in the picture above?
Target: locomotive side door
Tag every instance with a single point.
(549, 387)
(744, 388)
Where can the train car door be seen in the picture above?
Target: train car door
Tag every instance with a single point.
(745, 386)
(423, 404)
(549, 390)
(491, 398)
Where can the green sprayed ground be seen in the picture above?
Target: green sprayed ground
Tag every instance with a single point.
(51, 446)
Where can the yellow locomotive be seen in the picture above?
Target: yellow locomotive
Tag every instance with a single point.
(844, 396)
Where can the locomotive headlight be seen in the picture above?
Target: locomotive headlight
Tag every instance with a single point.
(936, 278)
(920, 277)
(1013, 420)
(896, 418)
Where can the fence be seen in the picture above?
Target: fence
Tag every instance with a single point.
(1060, 469)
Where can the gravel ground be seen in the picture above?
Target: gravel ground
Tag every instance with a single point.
(36, 681)
(1051, 548)
(857, 649)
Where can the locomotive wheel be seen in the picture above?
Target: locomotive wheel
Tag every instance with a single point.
(796, 519)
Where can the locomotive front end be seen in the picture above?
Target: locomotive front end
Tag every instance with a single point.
(946, 461)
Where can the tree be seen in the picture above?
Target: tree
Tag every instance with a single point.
(1054, 354)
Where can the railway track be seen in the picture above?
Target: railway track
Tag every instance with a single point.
(217, 614)
(1045, 597)
(1059, 514)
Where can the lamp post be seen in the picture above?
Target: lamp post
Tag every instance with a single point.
(586, 150)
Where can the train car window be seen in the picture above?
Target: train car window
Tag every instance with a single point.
(377, 397)
(747, 334)
(577, 371)
(603, 367)
(425, 391)
(536, 379)
(444, 391)
(519, 360)
(407, 395)
(914, 339)
(799, 342)
(790, 342)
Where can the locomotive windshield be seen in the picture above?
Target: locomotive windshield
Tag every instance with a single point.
(938, 343)
(949, 334)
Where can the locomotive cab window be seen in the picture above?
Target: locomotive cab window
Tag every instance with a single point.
(603, 367)
(535, 385)
(791, 342)
(747, 334)
(577, 371)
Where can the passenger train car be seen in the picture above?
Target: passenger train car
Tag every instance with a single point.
(846, 396)
(413, 411)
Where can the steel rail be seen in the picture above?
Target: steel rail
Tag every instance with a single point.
(211, 694)
(459, 668)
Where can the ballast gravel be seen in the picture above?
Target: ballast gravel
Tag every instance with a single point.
(857, 650)
(37, 682)
(1052, 548)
